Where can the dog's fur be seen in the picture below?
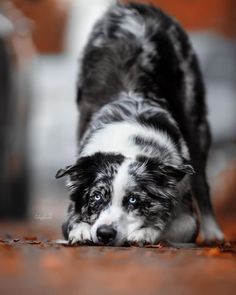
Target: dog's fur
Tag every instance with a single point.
(144, 136)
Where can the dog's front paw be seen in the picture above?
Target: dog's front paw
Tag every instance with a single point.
(81, 233)
(143, 236)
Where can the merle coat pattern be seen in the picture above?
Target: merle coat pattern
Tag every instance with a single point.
(144, 136)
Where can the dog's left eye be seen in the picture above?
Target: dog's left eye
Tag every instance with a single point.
(132, 200)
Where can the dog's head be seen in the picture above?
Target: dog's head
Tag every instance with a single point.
(118, 196)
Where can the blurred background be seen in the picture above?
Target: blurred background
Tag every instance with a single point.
(40, 45)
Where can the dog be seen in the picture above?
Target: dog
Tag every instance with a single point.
(143, 135)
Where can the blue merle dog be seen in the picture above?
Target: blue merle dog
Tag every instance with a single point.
(144, 136)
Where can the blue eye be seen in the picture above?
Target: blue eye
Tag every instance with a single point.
(132, 200)
(97, 197)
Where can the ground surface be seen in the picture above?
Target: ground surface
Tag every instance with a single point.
(35, 265)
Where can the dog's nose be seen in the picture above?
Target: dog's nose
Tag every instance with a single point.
(106, 234)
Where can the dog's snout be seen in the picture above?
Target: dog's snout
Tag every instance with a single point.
(106, 234)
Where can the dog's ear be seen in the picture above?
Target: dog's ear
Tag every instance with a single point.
(66, 171)
(165, 173)
(82, 171)
(177, 171)
(82, 167)
(81, 176)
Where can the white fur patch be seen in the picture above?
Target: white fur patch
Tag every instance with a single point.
(116, 138)
(120, 182)
(144, 236)
(80, 233)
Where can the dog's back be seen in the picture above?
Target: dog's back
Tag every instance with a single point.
(138, 48)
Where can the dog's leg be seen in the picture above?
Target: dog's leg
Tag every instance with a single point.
(74, 230)
(77, 232)
(209, 228)
(80, 233)
(144, 236)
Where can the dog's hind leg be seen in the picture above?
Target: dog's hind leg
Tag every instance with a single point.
(209, 228)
